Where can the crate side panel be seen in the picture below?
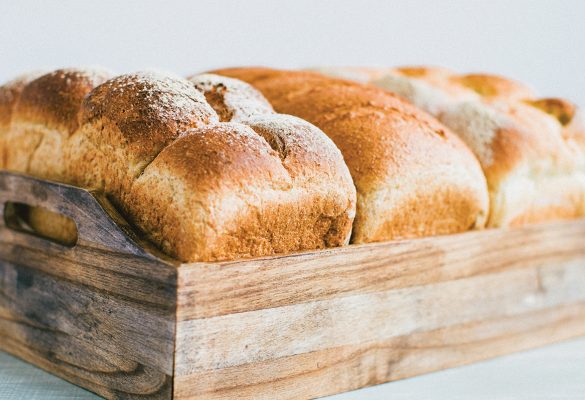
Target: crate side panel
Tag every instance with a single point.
(341, 369)
(100, 340)
(315, 324)
(208, 290)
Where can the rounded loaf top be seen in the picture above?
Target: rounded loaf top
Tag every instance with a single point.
(53, 99)
(414, 177)
(204, 168)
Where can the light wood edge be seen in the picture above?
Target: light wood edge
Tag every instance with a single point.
(346, 368)
(307, 327)
(212, 289)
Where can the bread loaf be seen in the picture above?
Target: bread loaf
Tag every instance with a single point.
(9, 95)
(44, 117)
(38, 114)
(205, 169)
(531, 149)
(413, 176)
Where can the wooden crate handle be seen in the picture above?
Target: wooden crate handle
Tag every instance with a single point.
(98, 222)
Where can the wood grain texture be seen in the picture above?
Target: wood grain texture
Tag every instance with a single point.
(208, 290)
(100, 314)
(228, 340)
(98, 223)
(320, 323)
(114, 316)
(340, 369)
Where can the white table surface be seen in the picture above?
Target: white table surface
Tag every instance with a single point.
(552, 373)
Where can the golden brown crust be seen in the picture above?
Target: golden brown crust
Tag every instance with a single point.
(149, 109)
(393, 152)
(494, 86)
(125, 123)
(312, 160)
(574, 130)
(531, 150)
(44, 114)
(52, 225)
(563, 110)
(199, 188)
(38, 112)
(9, 94)
(421, 71)
(53, 99)
(533, 171)
(242, 199)
(232, 100)
(356, 74)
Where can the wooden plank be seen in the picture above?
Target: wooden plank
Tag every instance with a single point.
(100, 318)
(229, 340)
(136, 278)
(100, 314)
(93, 338)
(341, 369)
(106, 257)
(97, 373)
(208, 290)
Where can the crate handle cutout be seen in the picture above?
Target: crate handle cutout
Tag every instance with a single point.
(97, 222)
(39, 221)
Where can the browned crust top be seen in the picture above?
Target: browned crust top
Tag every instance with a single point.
(150, 109)
(400, 157)
(371, 126)
(9, 94)
(488, 85)
(53, 99)
(211, 150)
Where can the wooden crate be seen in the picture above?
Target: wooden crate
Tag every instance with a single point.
(111, 316)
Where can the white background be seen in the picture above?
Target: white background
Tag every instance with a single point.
(539, 42)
